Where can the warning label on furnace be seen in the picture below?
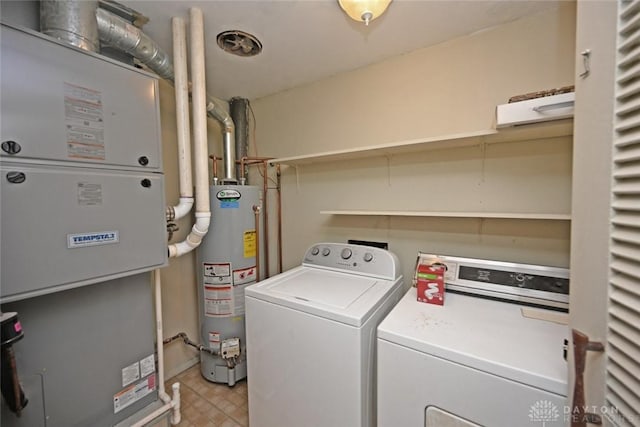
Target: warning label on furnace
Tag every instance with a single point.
(84, 120)
(89, 194)
(133, 393)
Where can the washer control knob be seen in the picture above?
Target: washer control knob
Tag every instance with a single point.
(326, 252)
(368, 257)
(315, 251)
(346, 253)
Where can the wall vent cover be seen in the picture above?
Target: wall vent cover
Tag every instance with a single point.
(239, 43)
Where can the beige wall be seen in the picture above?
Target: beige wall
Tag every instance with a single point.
(449, 88)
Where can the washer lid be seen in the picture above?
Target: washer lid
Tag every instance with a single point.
(491, 336)
(344, 297)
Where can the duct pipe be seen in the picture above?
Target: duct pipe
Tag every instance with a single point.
(118, 33)
(181, 86)
(238, 109)
(71, 21)
(218, 112)
(199, 101)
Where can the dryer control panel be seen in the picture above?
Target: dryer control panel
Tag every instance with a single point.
(364, 260)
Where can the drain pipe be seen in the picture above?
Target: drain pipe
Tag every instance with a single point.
(181, 86)
(199, 101)
(170, 403)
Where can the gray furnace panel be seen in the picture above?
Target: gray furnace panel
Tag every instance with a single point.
(76, 345)
(66, 227)
(64, 104)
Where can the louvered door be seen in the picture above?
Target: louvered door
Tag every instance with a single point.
(623, 350)
(605, 254)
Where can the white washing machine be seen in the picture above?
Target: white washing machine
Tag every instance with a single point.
(311, 337)
(476, 361)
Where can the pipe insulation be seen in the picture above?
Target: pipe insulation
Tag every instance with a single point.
(181, 86)
(200, 149)
(71, 21)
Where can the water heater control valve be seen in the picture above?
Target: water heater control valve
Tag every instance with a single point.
(230, 348)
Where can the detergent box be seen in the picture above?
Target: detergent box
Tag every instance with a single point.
(430, 283)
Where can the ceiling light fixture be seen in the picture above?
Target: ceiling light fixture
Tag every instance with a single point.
(364, 10)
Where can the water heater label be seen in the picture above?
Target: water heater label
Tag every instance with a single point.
(218, 300)
(82, 240)
(249, 243)
(228, 199)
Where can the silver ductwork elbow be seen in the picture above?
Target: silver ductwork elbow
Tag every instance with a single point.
(118, 33)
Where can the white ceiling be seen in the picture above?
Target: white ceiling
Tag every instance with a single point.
(308, 40)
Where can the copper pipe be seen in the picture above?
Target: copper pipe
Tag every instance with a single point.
(247, 161)
(256, 213)
(215, 167)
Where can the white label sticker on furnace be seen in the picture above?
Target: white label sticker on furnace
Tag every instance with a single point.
(89, 194)
(133, 393)
(84, 120)
(130, 374)
(147, 366)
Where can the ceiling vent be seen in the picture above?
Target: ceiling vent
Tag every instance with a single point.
(239, 43)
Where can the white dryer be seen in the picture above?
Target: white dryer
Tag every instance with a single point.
(476, 361)
(311, 337)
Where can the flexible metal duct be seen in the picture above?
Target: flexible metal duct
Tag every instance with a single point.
(118, 33)
(71, 21)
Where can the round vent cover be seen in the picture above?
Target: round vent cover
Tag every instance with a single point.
(239, 43)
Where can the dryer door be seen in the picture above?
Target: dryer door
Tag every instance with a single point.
(435, 417)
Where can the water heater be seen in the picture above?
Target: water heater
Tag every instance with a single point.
(227, 265)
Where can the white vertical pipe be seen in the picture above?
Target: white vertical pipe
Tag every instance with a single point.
(200, 149)
(170, 403)
(157, 288)
(199, 99)
(181, 86)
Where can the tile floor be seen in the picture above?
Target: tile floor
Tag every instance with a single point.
(207, 404)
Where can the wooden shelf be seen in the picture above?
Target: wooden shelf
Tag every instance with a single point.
(519, 133)
(490, 215)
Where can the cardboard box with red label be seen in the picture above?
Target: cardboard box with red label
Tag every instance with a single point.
(430, 283)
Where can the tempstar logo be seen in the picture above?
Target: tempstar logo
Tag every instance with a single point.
(92, 239)
(543, 411)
